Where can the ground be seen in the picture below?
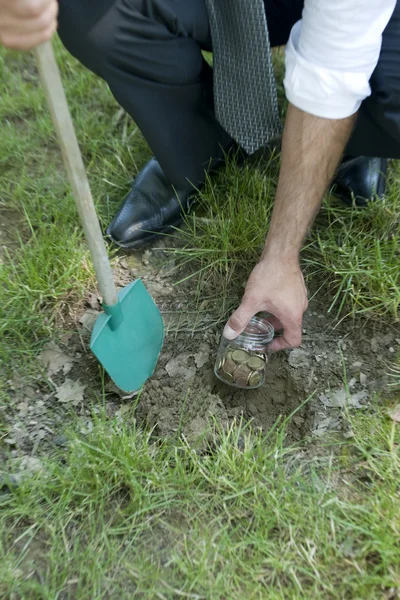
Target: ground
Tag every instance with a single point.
(188, 488)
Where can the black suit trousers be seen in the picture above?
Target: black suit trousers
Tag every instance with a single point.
(149, 53)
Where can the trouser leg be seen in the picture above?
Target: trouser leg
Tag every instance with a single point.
(377, 132)
(149, 52)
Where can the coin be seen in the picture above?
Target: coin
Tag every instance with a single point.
(226, 376)
(242, 370)
(229, 366)
(220, 364)
(241, 375)
(240, 356)
(241, 382)
(255, 363)
(255, 379)
(228, 354)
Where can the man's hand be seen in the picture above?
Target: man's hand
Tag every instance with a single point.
(278, 289)
(25, 24)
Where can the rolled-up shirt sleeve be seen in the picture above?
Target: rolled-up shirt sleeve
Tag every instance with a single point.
(332, 53)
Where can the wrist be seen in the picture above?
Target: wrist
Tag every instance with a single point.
(286, 256)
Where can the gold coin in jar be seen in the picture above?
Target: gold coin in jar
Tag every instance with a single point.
(256, 363)
(228, 354)
(226, 376)
(240, 356)
(229, 366)
(242, 373)
(255, 379)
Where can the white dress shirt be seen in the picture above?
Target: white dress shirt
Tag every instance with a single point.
(332, 53)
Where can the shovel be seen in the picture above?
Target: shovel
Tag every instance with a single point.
(127, 338)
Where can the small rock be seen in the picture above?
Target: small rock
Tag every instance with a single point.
(158, 289)
(340, 399)
(88, 319)
(392, 350)
(356, 399)
(18, 573)
(387, 339)
(324, 425)
(93, 302)
(179, 367)
(111, 387)
(60, 441)
(299, 358)
(394, 413)
(197, 429)
(363, 378)
(374, 345)
(147, 257)
(70, 392)
(54, 359)
(357, 364)
(203, 355)
(31, 464)
(124, 264)
(352, 382)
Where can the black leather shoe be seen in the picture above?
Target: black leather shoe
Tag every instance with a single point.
(360, 180)
(152, 207)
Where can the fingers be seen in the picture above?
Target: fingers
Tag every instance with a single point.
(291, 338)
(27, 23)
(275, 322)
(28, 41)
(240, 319)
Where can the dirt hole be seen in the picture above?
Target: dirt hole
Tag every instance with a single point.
(183, 398)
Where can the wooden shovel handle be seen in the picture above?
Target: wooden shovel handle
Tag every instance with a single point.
(51, 80)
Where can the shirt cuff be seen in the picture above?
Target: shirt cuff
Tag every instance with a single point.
(321, 91)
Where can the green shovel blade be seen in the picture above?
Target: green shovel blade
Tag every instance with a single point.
(128, 340)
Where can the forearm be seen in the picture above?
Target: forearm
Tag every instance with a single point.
(311, 150)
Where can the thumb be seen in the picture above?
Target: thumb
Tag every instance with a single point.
(239, 320)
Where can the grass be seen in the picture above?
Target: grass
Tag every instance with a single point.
(122, 515)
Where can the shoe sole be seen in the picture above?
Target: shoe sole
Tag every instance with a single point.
(147, 239)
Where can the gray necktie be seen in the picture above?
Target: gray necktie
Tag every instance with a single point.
(244, 82)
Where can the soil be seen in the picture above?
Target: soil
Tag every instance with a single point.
(337, 364)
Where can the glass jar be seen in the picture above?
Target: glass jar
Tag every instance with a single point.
(242, 363)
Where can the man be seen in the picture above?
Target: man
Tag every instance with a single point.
(343, 86)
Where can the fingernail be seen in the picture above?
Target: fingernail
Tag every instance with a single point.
(229, 333)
